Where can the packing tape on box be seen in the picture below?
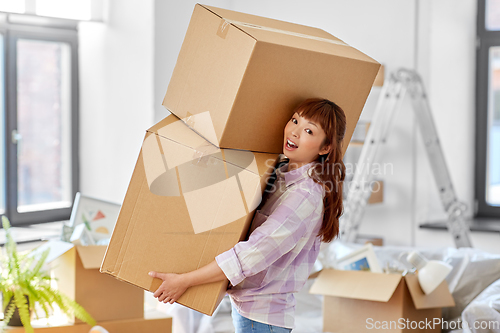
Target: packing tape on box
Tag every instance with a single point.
(201, 123)
(222, 31)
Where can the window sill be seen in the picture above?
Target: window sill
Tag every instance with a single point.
(34, 233)
(480, 224)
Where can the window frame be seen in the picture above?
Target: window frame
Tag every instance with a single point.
(485, 40)
(12, 33)
(4, 129)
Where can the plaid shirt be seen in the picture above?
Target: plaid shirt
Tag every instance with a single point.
(279, 255)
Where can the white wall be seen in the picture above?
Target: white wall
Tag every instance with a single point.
(449, 62)
(171, 23)
(116, 96)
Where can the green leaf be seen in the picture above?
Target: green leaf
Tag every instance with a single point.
(6, 295)
(24, 312)
(9, 312)
(23, 274)
(39, 264)
(79, 311)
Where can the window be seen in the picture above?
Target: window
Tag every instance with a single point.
(38, 91)
(13, 6)
(73, 9)
(3, 184)
(77, 10)
(488, 110)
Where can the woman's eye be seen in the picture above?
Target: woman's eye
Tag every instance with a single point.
(294, 120)
(309, 131)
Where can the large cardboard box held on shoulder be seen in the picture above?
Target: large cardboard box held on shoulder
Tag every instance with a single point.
(238, 74)
(141, 325)
(76, 269)
(187, 202)
(358, 301)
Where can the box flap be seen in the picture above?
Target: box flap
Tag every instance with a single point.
(57, 249)
(174, 129)
(439, 298)
(186, 146)
(91, 256)
(164, 122)
(356, 284)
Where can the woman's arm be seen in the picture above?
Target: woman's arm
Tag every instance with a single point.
(174, 285)
(274, 238)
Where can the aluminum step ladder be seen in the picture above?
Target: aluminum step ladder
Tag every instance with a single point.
(391, 98)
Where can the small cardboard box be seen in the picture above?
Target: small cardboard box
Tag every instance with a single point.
(187, 202)
(76, 269)
(358, 301)
(234, 70)
(140, 325)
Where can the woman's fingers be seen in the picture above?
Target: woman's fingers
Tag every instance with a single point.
(171, 289)
(157, 293)
(162, 297)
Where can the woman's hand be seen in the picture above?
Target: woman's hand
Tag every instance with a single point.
(174, 285)
(172, 288)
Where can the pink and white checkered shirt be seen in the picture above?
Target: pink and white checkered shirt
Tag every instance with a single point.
(279, 255)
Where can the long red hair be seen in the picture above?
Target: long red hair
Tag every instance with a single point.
(330, 170)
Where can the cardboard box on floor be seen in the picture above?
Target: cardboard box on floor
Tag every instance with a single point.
(141, 325)
(358, 301)
(236, 70)
(76, 269)
(187, 202)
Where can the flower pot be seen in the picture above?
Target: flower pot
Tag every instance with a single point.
(15, 320)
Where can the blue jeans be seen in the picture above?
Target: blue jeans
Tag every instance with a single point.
(245, 325)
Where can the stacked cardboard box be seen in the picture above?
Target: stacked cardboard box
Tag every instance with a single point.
(163, 325)
(202, 170)
(117, 306)
(76, 272)
(238, 77)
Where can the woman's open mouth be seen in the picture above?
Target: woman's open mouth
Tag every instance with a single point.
(290, 145)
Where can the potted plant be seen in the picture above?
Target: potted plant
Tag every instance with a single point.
(24, 282)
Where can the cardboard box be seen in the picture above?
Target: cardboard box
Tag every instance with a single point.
(82, 236)
(358, 301)
(234, 70)
(76, 269)
(380, 78)
(377, 195)
(141, 325)
(187, 202)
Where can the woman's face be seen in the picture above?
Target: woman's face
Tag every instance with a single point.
(306, 138)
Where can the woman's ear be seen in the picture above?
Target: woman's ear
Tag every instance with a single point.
(325, 150)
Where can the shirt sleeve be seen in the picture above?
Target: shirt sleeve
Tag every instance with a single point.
(278, 235)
